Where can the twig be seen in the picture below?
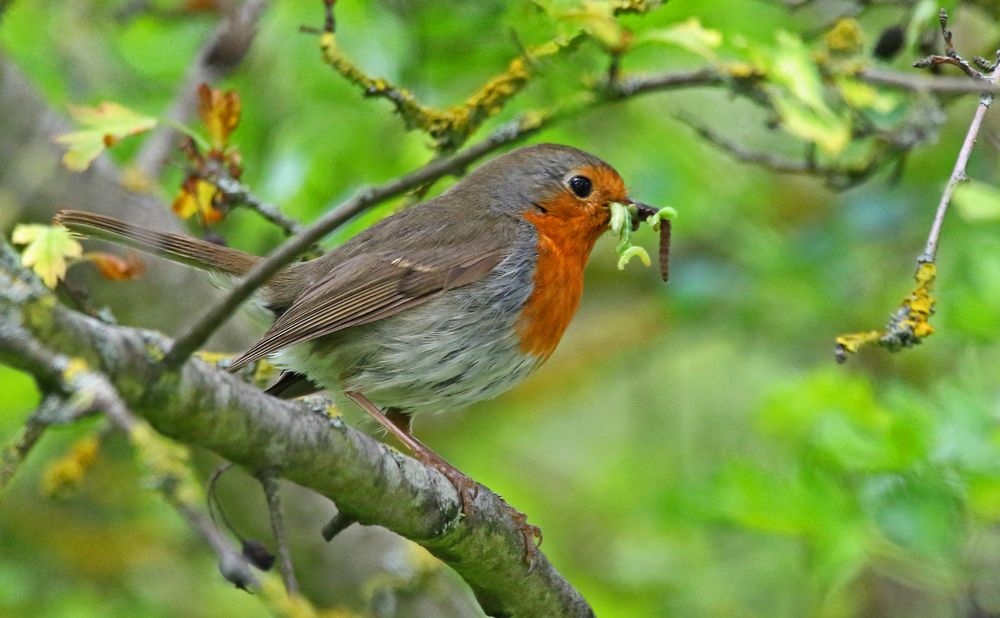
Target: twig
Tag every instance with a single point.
(337, 524)
(269, 482)
(951, 56)
(240, 195)
(837, 177)
(764, 159)
(14, 454)
(958, 173)
(220, 54)
(633, 86)
(920, 83)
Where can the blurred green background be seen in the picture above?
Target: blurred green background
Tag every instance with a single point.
(692, 449)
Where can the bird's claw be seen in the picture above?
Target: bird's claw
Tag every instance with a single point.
(532, 536)
(468, 489)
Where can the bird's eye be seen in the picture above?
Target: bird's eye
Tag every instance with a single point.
(580, 185)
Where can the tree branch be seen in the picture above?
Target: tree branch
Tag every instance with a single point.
(201, 405)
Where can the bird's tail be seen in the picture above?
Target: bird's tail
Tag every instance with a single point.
(176, 247)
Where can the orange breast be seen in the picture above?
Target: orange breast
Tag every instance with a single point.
(566, 236)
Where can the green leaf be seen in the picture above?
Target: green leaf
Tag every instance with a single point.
(104, 126)
(863, 96)
(797, 93)
(47, 248)
(830, 132)
(690, 35)
(791, 65)
(977, 201)
(595, 18)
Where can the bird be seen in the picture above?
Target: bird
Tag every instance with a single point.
(438, 306)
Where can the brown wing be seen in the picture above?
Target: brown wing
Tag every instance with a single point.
(369, 287)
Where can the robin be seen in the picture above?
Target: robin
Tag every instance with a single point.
(447, 303)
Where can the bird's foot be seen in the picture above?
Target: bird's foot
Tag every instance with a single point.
(467, 488)
(532, 535)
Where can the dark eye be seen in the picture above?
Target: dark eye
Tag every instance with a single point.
(580, 185)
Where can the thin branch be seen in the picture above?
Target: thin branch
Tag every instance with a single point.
(951, 56)
(240, 195)
(637, 85)
(269, 482)
(14, 454)
(766, 160)
(220, 54)
(337, 524)
(958, 173)
(837, 177)
(920, 83)
(205, 406)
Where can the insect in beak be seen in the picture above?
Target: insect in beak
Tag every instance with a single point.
(644, 212)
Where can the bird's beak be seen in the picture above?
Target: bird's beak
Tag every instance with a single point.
(644, 211)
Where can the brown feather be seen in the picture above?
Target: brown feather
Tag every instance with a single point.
(184, 249)
(368, 288)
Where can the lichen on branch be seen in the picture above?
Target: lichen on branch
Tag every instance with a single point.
(452, 126)
(907, 326)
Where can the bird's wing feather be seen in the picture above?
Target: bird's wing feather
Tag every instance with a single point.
(372, 286)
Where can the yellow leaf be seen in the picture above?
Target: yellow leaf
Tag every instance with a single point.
(690, 35)
(197, 196)
(47, 248)
(220, 113)
(822, 126)
(596, 18)
(863, 96)
(103, 126)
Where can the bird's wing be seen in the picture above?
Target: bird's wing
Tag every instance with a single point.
(372, 286)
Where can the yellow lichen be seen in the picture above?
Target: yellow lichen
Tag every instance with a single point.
(845, 37)
(213, 358)
(66, 473)
(272, 593)
(909, 324)
(920, 304)
(74, 368)
(166, 463)
(742, 70)
(420, 559)
(855, 341)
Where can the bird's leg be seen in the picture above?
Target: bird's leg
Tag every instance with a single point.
(398, 424)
